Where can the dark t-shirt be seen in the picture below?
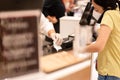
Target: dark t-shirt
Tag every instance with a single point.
(53, 8)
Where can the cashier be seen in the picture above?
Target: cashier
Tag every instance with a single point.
(47, 28)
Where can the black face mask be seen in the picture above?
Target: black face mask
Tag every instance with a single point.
(100, 18)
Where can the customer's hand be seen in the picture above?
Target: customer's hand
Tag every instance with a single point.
(57, 38)
(81, 50)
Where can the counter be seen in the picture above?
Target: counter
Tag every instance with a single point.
(75, 71)
(65, 66)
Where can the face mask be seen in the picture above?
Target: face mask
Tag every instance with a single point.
(96, 14)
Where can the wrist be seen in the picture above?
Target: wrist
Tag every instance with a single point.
(50, 32)
(49, 18)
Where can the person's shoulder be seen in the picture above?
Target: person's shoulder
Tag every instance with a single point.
(112, 12)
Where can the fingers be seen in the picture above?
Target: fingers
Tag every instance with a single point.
(57, 38)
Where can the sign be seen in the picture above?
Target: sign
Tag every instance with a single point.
(18, 42)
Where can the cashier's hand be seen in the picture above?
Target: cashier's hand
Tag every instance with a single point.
(56, 38)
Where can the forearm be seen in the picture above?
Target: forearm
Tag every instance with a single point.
(93, 47)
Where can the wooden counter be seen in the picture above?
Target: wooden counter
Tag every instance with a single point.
(83, 74)
(65, 66)
(80, 71)
(61, 66)
(60, 60)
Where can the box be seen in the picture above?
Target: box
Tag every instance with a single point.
(68, 24)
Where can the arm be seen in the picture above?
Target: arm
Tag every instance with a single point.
(102, 38)
(46, 28)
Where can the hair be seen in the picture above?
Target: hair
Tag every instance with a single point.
(108, 4)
